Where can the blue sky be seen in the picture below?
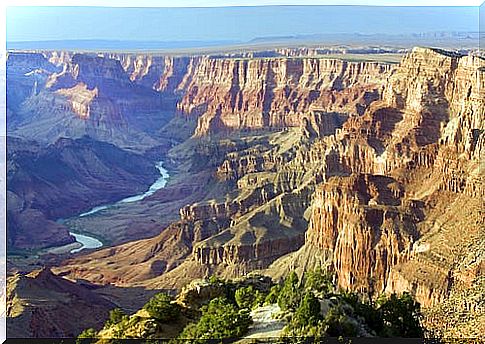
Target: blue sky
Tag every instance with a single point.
(228, 23)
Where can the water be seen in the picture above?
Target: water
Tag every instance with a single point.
(90, 242)
(86, 242)
(157, 185)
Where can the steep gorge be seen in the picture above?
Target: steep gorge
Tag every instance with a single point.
(370, 170)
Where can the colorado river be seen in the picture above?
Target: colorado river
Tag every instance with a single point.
(90, 242)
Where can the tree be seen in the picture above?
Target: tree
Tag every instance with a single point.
(259, 299)
(318, 280)
(245, 297)
(290, 295)
(372, 316)
(339, 324)
(115, 316)
(272, 297)
(401, 316)
(161, 308)
(220, 319)
(308, 313)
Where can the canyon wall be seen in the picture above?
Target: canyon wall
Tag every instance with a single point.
(276, 93)
(424, 138)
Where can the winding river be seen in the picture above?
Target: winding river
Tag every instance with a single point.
(90, 242)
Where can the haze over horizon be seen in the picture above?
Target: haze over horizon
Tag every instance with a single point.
(235, 24)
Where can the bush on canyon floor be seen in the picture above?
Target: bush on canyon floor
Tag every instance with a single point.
(161, 308)
(220, 319)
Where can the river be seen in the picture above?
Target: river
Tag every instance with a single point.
(90, 242)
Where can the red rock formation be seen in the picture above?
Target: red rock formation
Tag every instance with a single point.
(361, 222)
(265, 93)
(426, 132)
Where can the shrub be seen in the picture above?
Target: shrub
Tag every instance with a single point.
(259, 299)
(290, 295)
(308, 313)
(319, 281)
(339, 324)
(272, 297)
(401, 316)
(220, 319)
(245, 297)
(89, 333)
(372, 316)
(115, 317)
(161, 308)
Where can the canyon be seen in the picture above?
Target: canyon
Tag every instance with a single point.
(279, 162)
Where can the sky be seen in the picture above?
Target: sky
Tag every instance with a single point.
(216, 3)
(32, 23)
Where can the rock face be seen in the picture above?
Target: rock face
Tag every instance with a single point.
(276, 93)
(109, 96)
(365, 228)
(72, 96)
(62, 180)
(64, 311)
(397, 181)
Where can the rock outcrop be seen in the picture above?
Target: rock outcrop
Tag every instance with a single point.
(365, 228)
(367, 169)
(44, 305)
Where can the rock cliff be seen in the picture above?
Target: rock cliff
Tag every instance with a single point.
(276, 92)
(113, 93)
(396, 181)
(367, 169)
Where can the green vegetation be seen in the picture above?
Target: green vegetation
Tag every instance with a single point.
(290, 295)
(249, 297)
(325, 312)
(88, 334)
(116, 316)
(311, 306)
(272, 296)
(162, 309)
(400, 315)
(308, 313)
(220, 319)
(319, 281)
